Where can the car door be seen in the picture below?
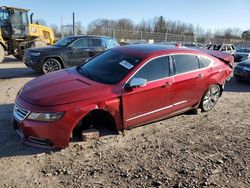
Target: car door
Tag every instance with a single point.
(78, 52)
(152, 101)
(188, 85)
(96, 46)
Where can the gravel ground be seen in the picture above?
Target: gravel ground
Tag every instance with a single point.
(204, 150)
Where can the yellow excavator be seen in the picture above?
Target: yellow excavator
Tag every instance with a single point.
(17, 33)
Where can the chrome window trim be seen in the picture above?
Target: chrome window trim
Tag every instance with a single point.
(172, 54)
(157, 110)
(198, 60)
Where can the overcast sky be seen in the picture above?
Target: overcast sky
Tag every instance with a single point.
(207, 13)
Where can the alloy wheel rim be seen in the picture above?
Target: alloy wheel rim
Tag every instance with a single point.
(211, 98)
(50, 66)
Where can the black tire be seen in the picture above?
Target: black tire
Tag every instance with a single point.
(210, 98)
(51, 65)
(2, 53)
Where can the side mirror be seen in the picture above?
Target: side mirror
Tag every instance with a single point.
(135, 82)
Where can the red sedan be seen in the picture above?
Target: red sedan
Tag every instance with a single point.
(121, 88)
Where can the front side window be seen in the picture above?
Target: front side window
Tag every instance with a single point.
(80, 43)
(185, 63)
(154, 70)
(65, 41)
(109, 67)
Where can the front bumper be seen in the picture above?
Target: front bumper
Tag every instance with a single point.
(49, 135)
(34, 62)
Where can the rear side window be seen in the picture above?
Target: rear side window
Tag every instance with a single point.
(185, 63)
(204, 62)
(95, 43)
(155, 69)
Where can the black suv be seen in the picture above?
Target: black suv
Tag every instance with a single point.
(69, 51)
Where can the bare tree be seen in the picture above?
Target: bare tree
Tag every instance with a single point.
(79, 28)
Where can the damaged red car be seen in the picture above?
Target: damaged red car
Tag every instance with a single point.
(120, 88)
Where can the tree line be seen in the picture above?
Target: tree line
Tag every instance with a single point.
(153, 25)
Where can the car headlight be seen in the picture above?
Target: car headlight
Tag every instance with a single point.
(35, 54)
(45, 116)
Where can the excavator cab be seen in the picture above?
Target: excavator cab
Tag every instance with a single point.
(14, 23)
(17, 34)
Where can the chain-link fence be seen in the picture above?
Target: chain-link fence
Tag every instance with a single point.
(137, 36)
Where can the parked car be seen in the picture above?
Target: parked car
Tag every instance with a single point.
(69, 51)
(192, 45)
(242, 54)
(121, 88)
(242, 70)
(227, 48)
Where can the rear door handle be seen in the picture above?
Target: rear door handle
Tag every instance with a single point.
(200, 76)
(167, 84)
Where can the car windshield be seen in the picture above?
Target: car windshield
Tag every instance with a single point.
(109, 67)
(65, 41)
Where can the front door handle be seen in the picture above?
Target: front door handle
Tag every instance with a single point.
(167, 84)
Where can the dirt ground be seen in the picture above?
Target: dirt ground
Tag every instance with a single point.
(204, 150)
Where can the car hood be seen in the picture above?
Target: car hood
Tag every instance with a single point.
(46, 48)
(62, 87)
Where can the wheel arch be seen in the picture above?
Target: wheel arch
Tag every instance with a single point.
(58, 58)
(95, 115)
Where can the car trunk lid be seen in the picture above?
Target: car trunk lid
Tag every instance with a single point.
(225, 57)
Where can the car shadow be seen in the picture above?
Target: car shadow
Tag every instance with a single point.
(237, 86)
(9, 59)
(8, 73)
(10, 143)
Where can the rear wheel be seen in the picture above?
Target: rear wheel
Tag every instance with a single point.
(51, 65)
(2, 53)
(210, 98)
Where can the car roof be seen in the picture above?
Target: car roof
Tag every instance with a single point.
(89, 36)
(145, 50)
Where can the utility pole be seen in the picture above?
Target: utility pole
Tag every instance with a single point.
(62, 35)
(73, 23)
